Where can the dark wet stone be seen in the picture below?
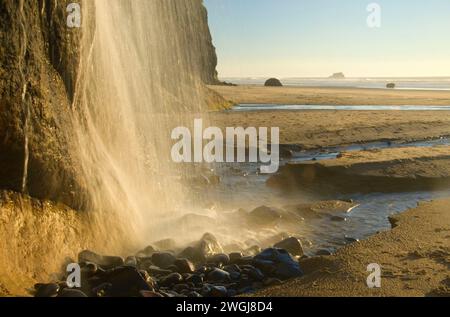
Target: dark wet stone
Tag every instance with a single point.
(184, 266)
(163, 259)
(102, 290)
(219, 259)
(46, 290)
(144, 263)
(285, 266)
(266, 266)
(232, 268)
(232, 293)
(195, 279)
(190, 253)
(218, 276)
(235, 256)
(171, 279)
(245, 260)
(88, 269)
(253, 272)
(105, 262)
(180, 287)
(131, 261)
(235, 276)
(324, 252)
(67, 292)
(166, 244)
(214, 291)
(205, 248)
(291, 245)
(147, 252)
(351, 240)
(264, 216)
(126, 282)
(156, 271)
(150, 294)
(338, 218)
(193, 294)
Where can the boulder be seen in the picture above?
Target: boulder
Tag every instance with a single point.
(263, 216)
(390, 85)
(283, 266)
(273, 82)
(337, 76)
(205, 248)
(291, 245)
(163, 259)
(184, 266)
(105, 262)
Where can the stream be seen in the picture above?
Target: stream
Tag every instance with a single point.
(243, 187)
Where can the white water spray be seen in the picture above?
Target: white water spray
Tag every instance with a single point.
(133, 88)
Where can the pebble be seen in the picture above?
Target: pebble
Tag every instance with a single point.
(324, 252)
(106, 262)
(219, 259)
(163, 259)
(46, 290)
(218, 276)
(184, 266)
(195, 279)
(235, 256)
(284, 267)
(171, 279)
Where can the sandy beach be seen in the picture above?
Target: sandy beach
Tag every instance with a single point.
(415, 254)
(331, 96)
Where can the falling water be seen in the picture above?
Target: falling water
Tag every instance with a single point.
(25, 107)
(135, 85)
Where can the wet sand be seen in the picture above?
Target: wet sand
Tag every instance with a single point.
(331, 96)
(414, 257)
(313, 129)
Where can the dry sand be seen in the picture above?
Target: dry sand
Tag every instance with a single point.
(331, 96)
(414, 256)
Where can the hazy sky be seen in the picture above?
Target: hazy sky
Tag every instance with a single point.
(301, 38)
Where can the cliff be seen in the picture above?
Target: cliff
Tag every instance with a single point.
(55, 123)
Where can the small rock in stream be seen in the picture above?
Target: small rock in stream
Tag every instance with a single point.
(291, 245)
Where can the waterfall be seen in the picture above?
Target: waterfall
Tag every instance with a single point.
(25, 107)
(135, 84)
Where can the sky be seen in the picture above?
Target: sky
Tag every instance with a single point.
(315, 38)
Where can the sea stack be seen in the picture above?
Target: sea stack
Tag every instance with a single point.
(337, 76)
(273, 82)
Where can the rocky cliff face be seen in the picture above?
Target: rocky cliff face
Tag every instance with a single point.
(41, 61)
